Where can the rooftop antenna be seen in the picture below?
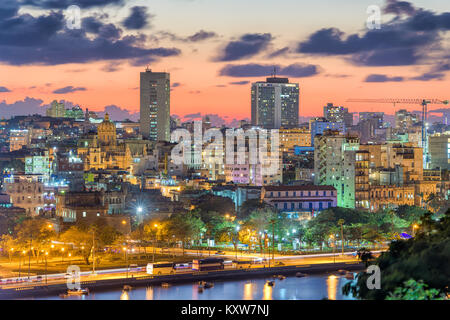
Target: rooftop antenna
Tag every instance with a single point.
(147, 68)
(274, 72)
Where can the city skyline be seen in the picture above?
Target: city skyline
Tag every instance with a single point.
(213, 62)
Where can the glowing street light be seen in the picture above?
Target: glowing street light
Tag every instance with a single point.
(415, 227)
(140, 209)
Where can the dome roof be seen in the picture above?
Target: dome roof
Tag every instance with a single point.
(107, 125)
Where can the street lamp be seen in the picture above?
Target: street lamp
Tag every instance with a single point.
(46, 254)
(126, 258)
(415, 227)
(154, 240)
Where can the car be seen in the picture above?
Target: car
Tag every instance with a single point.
(219, 252)
(279, 264)
(39, 278)
(133, 267)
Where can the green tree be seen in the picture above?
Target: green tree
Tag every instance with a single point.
(81, 238)
(422, 258)
(35, 235)
(415, 290)
(185, 226)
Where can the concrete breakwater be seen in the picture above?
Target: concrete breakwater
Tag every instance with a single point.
(39, 290)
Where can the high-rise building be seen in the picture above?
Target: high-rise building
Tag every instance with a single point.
(318, 126)
(155, 105)
(335, 159)
(440, 150)
(338, 114)
(405, 119)
(56, 110)
(275, 103)
(376, 117)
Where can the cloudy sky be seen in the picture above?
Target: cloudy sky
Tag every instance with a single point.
(215, 49)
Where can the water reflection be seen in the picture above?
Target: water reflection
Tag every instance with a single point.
(332, 282)
(312, 287)
(248, 291)
(124, 296)
(149, 293)
(267, 292)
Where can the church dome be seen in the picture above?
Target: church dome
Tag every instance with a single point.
(107, 125)
(107, 131)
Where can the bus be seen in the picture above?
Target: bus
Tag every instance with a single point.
(168, 268)
(210, 264)
(242, 264)
(159, 268)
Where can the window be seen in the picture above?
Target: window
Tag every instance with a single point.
(84, 214)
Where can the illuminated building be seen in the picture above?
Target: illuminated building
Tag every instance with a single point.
(101, 151)
(318, 126)
(440, 150)
(26, 191)
(155, 105)
(334, 113)
(38, 164)
(56, 110)
(390, 196)
(275, 103)
(18, 139)
(298, 200)
(291, 138)
(334, 165)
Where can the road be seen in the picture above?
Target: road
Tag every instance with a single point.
(121, 273)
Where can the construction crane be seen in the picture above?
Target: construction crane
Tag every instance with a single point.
(423, 102)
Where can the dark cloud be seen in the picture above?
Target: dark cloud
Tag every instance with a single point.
(201, 35)
(193, 116)
(399, 7)
(279, 53)
(387, 57)
(258, 70)
(111, 67)
(138, 19)
(247, 46)
(382, 78)
(176, 85)
(239, 83)
(8, 8)
(429, 21)
(107, 31)
(118, 114)
(442, 67)
(68, 89)
(4, 89)
(429, 76)
(401, 41)
(27, 106)
(63, 4)
(44, 40)
(196, 37)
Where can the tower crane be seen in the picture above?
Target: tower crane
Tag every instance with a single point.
(423, 102)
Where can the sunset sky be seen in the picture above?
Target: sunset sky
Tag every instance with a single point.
(214, 49)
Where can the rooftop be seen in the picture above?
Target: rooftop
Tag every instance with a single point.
(300, 188)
